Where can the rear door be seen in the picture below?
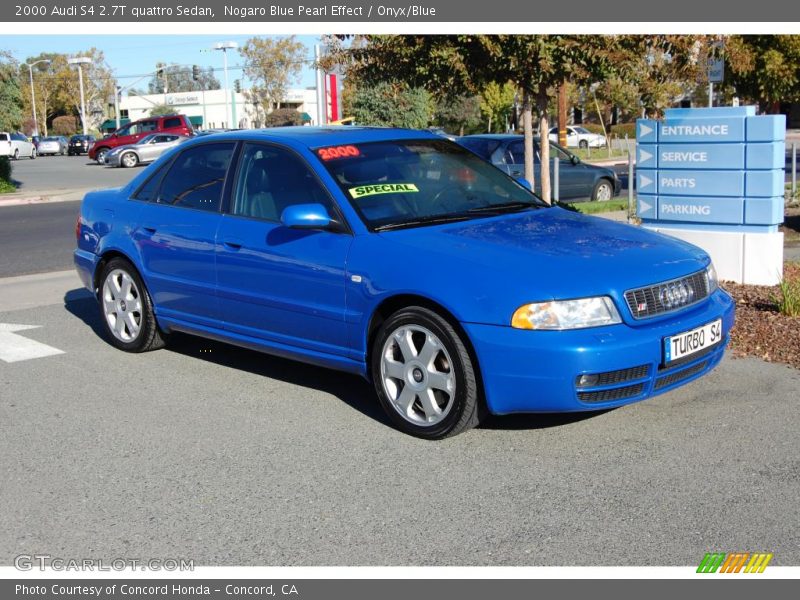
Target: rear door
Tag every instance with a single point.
(177, 231)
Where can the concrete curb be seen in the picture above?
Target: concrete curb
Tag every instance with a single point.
(43, 197)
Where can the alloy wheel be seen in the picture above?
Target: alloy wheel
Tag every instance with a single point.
(417, 375)
(122, 305)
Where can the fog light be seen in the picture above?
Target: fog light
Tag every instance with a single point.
(587, 380)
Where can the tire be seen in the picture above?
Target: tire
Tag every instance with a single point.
(16, 153)
(33, 153)
(438, 375)
(603, 191)
(139, 331)
(583, 144)
(129, 160)
(100, 157)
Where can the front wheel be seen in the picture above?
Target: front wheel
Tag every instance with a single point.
(100, 157)
(583, 144)
(126, 309)
(603, 192)
(16, 154)
(424, 376)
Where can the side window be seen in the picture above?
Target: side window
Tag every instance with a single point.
(515, 154)
(270, 179)
(149, 191)
(3, 137)
(197, 176)
(127, 130)
(172, 122)
(147, 126)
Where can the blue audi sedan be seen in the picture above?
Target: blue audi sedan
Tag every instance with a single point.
(407, 259)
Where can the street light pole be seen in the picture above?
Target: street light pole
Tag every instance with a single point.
(80, 61)
(33, 94)
(225, 46)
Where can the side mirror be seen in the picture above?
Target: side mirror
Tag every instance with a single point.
(574, 159)
(305, 216)
(524, 183)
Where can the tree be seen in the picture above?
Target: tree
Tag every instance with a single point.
(45, 87)
(497, 102)
(765, 68)
(458, 113)
(98, 87)
(11, 115)
(180, 79)
(161, 109)
(390, 105)
(271, 65)
(283, 117)
(65, 125)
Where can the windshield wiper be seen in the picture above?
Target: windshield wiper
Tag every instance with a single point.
(423, 221)
(507, 206)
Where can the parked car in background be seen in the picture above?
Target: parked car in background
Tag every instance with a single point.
(144, 151)
(79, 144)
(133, 132)
(577, 180)
(404, 258)
(16, 146)
(53, 145)
(579, 137)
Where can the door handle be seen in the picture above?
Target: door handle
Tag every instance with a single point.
(149, 229)
(233, 244)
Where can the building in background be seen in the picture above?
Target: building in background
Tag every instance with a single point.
(207, 109)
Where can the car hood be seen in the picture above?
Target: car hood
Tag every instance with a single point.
(550, 253)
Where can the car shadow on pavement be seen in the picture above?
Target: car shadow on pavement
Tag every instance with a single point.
(351, 389)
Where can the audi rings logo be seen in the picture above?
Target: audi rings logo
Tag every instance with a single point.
(673, 295)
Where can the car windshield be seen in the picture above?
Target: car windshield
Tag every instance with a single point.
(395, 184)
(581, 130)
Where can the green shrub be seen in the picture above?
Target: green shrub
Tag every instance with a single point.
(5, 169)
(593, 127)
(789, 299)
(64, 125)
(622, 128)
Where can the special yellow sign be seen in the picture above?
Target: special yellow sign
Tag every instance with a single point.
(382, 188)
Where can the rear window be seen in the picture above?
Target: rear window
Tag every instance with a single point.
(413, 182)
(173, 122)
(3, 137)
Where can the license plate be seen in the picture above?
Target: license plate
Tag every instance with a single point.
(693, 341)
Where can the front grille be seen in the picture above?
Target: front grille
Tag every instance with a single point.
(673, 378)
(614, 377)
(610, 395)
(667, 296)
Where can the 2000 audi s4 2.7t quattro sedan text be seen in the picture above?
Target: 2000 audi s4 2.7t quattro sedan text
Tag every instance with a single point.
(404, 258)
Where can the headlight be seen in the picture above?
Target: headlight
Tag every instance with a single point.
(566, 314)
(713, 281)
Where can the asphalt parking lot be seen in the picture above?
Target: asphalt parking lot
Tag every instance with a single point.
(231, 457)
(56, 173)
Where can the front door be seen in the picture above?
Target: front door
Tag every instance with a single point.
(283, 285)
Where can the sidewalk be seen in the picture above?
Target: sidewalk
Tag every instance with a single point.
(42, 196)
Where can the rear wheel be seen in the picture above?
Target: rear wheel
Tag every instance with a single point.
(603, 191)
(127, 310)
(424, 376)
(33, 153)
(129, 159)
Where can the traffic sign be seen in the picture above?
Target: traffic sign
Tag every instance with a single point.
(700, 183)
(708, 209)
(715, 68)
(701, 156)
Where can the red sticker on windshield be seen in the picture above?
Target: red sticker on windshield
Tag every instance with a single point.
(338, 152)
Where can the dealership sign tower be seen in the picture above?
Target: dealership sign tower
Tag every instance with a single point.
(715, 177)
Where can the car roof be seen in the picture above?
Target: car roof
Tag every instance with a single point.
(499, 137)
(313, 137)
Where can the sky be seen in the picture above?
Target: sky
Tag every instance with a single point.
(131, 56)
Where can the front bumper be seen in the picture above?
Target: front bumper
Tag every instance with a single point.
(537, 371)
(111, 160)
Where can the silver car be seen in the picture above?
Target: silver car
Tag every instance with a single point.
(146, 150)
(53, 145)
